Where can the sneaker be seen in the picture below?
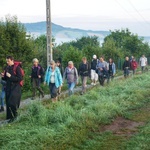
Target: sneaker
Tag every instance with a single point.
(92, 83)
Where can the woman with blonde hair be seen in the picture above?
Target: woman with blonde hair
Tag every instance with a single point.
(37, 74)
(71, 75)
(54, 80)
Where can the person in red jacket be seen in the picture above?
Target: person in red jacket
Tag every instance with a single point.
(134, 65)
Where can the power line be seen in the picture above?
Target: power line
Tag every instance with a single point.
(138, 12)
(126, 10)
(129, 13)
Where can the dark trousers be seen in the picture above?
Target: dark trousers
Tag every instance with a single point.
(53, 90)
(11, 112)
(12, 104)
(126, 72)
(36, 86)
(110, 77)
(101, 79)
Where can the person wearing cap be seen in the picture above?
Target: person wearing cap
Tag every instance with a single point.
(71, 75)
(94, 75)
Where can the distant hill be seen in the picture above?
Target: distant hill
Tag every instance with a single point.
(62, 34)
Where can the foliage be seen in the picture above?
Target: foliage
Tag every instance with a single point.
(110, 50)
(72, 54)
(84, 41)
(129, 43)
(41, 50)
(74, 123)
(13, 41)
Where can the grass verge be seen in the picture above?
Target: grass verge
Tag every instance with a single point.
(72, 124)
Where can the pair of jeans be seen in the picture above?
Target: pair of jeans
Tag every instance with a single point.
(2, 96)
(71, 88)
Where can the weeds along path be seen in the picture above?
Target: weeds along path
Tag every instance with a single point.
(63, 95)
(103, 118)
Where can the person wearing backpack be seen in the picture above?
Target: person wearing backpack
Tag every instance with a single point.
(71, 75)
(54, 79)
(102, 68)
(13, 88)
(37, 73)
(84, 71)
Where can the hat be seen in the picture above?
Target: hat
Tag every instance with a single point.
(94, 56)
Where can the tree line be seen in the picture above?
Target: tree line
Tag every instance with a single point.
(14, 41)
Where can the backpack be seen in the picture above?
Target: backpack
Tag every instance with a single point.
(16, 64)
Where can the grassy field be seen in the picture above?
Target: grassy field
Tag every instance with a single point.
(76, 123)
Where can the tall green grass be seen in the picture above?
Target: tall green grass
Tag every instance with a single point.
(141, 141)
(69, 124)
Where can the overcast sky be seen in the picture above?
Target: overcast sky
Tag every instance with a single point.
(84, 14)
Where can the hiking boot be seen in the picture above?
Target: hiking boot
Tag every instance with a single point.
(43, 95)
(2, 109)
(33, 98)
(81, 93)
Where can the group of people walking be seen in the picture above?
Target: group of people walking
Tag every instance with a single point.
(55, 76)
(132, 64)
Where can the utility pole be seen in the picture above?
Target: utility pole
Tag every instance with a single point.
(49, 32)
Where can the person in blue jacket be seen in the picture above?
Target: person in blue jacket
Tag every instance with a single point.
(54, 79)
(2, 95)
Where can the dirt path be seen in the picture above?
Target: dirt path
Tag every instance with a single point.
(127, 128)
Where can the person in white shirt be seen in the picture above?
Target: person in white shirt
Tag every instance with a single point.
(143, 62)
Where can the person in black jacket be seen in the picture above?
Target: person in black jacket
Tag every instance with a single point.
(13, 88)
(94, 75)
(84, 70)
(37, 74)
(126, 67)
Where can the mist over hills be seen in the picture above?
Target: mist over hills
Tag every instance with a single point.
(62, 34)
(65, 34)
